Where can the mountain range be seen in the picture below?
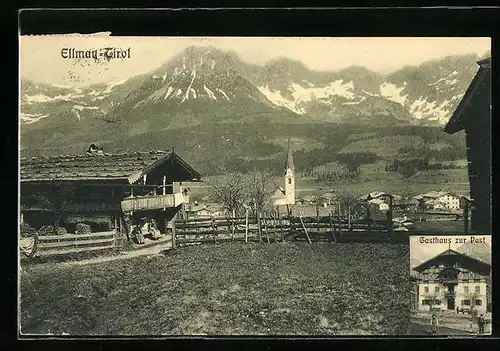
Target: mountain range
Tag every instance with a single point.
(207, 90)
(204, 80)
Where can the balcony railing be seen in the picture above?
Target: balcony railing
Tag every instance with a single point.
(152, 202)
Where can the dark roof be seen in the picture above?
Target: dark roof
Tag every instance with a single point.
(459, 117)
(449, 252)
(125, 166)
(486, 63)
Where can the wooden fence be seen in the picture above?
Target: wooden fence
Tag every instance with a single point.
(75, 243)
(290, 228)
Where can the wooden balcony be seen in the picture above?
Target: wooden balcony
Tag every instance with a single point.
(152, 202)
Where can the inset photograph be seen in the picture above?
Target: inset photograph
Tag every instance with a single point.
(451, 285)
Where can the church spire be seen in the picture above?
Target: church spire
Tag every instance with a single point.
(289, 159)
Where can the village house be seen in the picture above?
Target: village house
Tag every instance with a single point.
(440, 200)
(448, 200)
(379, 204)
(106, 191)
(473, 115)
(406, 204)
(453, 279)
(203, 210)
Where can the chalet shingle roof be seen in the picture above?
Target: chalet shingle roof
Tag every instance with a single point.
(95, 167)
(463, 111)
(424, 265)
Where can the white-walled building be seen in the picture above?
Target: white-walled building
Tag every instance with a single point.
(452, 279)
(442, 200)
(380, 204)
(451, 201)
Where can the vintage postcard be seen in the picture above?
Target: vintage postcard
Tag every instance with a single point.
(451, 278)
(246, 186)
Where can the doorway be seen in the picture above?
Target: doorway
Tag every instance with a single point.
(451, 303)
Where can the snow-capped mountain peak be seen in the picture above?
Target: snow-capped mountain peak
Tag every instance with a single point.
(205, 80)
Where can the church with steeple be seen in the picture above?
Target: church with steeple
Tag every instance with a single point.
(286, 196)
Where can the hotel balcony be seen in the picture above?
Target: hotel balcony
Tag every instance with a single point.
(153, 202)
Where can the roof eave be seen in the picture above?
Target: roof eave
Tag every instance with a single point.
(421, 267)
(83, 179)
(194, 175)
(455, 123)
(485, 63)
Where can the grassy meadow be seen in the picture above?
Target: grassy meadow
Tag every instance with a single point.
(225, 289)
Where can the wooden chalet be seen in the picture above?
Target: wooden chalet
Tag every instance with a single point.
(473, 115)
(107, 191)
(452, 279)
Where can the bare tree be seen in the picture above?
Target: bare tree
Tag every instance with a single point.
(260, 186)
(348, 200)
(230, 191)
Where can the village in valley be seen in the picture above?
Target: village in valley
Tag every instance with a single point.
(216, 196)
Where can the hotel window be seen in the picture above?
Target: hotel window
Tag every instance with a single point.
(466, 302)
(426, 289)
(477, 289)
(479, 302)
(436, 289)
(466, 289)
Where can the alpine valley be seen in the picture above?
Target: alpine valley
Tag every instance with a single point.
(223, 113)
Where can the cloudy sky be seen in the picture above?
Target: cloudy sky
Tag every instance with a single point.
(41, 61)
(422, 251)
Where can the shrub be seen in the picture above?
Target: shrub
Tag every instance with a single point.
(82, 228)
(48, 230)
(27, 230)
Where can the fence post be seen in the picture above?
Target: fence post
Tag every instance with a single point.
(118, 237)
(332, 227)
(173, 231)
(349, 218)
(389, 217)
(232, 228)
(214, 230)
(281, 227)
(265, 228)
(259, 226)
(317, 218)
(275, 228)
(246, 226)
(305, 230)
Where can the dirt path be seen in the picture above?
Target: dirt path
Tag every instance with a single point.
(152, 250)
